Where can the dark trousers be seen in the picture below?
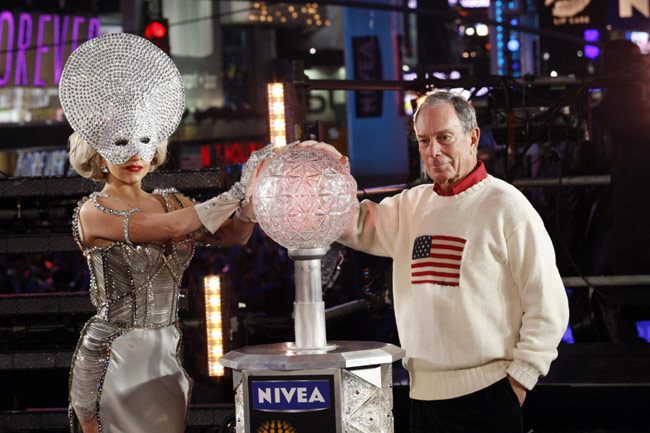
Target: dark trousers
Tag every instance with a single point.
(494, 409)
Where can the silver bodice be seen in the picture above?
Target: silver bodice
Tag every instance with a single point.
(135, 288)
(136, 285)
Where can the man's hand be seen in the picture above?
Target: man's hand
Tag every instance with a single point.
(519, 390)
(326, 148)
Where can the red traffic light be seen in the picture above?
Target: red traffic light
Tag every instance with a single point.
(157, 32)
(155, 29)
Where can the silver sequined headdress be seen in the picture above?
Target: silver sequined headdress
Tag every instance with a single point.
(122, 95)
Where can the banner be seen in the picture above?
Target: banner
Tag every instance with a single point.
(629, 14)
(367, 66)
(34, 47)
(573, 16)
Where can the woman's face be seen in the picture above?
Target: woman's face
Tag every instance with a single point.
(131, 172)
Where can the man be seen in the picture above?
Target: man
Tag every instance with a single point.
(479, 302)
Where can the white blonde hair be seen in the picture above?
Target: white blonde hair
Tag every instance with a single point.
(88, 162)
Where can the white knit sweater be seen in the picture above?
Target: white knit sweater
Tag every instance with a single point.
(476, 289)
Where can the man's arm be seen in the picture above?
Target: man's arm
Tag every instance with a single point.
(543, 299)
(367, 230)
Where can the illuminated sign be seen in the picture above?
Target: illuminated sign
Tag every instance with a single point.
(567, 8)
(297, 402)
(34, 47)
(470, 3)
(626, 8)
(629, 14)
(573, 14)
(291, 396)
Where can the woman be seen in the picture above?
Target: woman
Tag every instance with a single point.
(124, 97)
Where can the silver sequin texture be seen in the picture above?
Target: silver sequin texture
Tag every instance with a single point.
(121, 88)
(238, 190)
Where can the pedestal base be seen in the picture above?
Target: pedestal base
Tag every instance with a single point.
(345, 390)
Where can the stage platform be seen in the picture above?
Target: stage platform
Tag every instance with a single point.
(591, 388)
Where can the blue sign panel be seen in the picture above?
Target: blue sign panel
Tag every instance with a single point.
(367, 66)
(377, 129)
(290, 396)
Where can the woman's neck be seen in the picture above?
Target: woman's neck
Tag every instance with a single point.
(130, 193)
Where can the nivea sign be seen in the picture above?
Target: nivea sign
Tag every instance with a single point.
(291, 396)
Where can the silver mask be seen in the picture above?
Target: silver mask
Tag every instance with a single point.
(122, 95)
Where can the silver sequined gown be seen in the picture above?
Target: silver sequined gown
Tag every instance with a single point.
(126, 370)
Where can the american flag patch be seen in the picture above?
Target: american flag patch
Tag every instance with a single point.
(436, 260)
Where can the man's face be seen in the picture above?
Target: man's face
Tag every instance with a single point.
(448, 152)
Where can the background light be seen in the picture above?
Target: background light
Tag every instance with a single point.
(213, 323)
(410, 76)
(498, 15)
(643, 329)
(155, 29)
(482, 30)
(471, 3)
(482, 91)
(469, 31)
(642, 39)
(591, 35)
(277, 122)
(592, 51)
(513, 45)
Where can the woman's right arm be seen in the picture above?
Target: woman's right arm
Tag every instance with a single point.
(146, 226)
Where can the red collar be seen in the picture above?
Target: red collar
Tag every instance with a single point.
(476, 175)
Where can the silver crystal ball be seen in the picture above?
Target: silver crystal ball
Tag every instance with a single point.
(304, 198)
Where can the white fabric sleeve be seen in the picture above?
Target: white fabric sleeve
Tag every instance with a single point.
(216, 211)
(246, 213)
(543, 299)
(369, 229)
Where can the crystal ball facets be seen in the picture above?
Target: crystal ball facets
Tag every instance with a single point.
(304, 198)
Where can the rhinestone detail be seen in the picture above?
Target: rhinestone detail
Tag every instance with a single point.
(121, 88)
(123, 278)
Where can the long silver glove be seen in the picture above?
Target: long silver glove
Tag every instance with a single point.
(214, 212)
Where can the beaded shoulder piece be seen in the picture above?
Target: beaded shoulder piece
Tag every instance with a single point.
(75, 223)
(169, 194)
(172, 193)
(126, 214)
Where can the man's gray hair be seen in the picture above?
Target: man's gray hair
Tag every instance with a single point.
(464, 110)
